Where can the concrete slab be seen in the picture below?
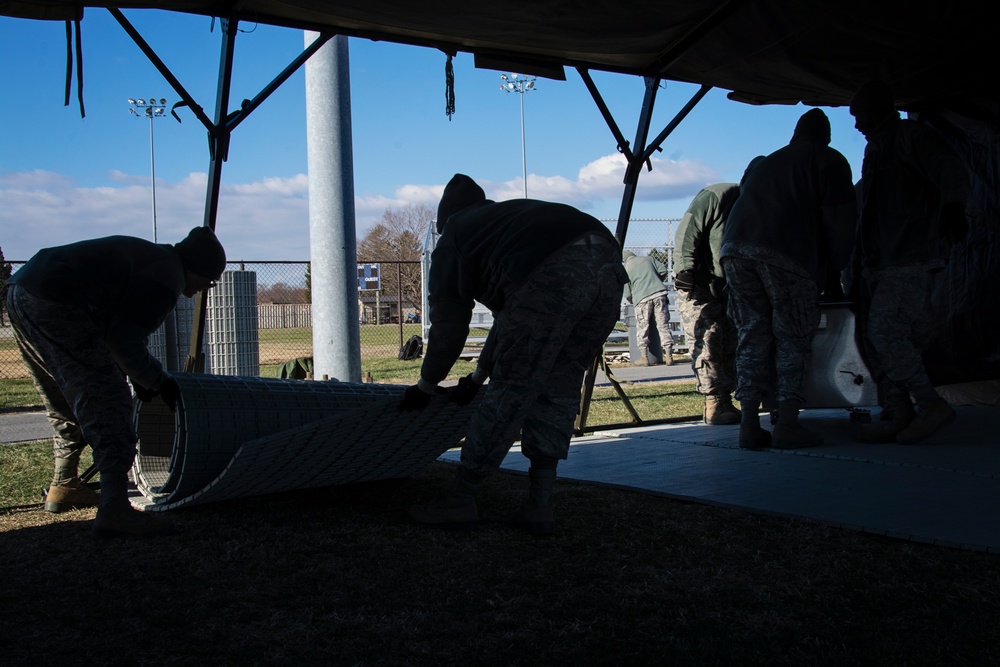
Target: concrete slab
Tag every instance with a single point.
(945, 491)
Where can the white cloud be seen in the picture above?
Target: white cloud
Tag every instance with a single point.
(269, 219)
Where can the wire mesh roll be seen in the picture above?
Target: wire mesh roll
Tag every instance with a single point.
(241, 436)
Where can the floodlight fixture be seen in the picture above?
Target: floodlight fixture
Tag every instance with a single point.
(152, 109)
(521, 84)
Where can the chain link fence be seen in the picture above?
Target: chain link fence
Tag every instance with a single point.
(389, 304)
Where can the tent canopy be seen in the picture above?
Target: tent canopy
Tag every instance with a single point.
(763, 51)
(934, 54)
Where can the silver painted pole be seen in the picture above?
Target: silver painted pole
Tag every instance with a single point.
(152, 172)
(332, 238)
(524, 160)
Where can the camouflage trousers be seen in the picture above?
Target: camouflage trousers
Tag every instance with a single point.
(896, 325)
(547, 334)
(654, 311)
(776, 313)
(86, 396)
(711, 338)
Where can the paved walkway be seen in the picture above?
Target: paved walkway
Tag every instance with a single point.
(945, 491)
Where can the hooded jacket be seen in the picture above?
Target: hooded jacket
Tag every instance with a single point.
(797, 207)
(486, 250)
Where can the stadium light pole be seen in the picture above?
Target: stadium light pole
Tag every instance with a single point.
(521, 84)
(140, 108)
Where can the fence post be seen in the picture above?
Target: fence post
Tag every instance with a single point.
(399, 300)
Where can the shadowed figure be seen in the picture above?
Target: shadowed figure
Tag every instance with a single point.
(81, 314)
(792, 225)
(912, 196)
(553, 278)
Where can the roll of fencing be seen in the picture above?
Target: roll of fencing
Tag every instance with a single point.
(231, 329)
(172, 340)
(234, 437)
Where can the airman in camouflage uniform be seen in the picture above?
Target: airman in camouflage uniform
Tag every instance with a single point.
(701, 299)
(64, 338)
(81, 314)
(792, 224)
(553, 278)
(648, 291)
(913, 191)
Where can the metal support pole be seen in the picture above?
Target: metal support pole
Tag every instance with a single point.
(399, 300)
(218, 138)
(332, 238)
(152, 174)
(524, 159)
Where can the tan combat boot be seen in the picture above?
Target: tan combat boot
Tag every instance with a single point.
(720, 411)
(73, 495)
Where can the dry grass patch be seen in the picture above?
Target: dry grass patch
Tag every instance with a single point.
(339, 577)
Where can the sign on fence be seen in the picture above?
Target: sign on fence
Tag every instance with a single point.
(368, 277)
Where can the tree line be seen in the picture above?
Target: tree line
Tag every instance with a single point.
(398, 236)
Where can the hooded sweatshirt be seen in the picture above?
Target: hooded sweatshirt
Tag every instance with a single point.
(797, 207)
(909, 174)
(486, 250)
(127, 285)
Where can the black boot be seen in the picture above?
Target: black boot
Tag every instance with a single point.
(752, 436)
(536, 515)
(117, 518)
(788, 432)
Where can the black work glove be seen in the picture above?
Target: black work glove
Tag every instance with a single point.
(416, 398)
(465, 391)
(144, 394)
(954, 225)
(684, 281)
(170, 392)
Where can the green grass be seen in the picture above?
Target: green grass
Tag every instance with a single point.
(27, 468)
(18, 393)
(371, 335)
(386, 369)
(652, 401)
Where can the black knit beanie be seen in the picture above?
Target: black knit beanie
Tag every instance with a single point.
(202, 253)
(875, 96)
(461, 192)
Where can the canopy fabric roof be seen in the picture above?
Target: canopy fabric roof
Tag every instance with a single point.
(763, 51)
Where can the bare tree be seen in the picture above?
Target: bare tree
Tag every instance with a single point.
(398, 237)
(281, 292)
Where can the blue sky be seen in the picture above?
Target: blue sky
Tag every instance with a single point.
(63, 178)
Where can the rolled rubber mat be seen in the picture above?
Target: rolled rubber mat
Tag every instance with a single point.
(234, 437)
